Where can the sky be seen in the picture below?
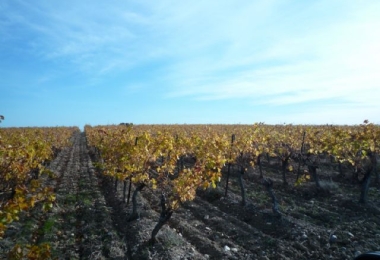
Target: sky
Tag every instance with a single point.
(72, 63)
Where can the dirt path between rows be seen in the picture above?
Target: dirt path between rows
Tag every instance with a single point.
(83, 220)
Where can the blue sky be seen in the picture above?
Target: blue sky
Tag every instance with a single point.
(152, 62)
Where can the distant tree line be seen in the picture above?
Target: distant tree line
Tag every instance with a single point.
(126, 124)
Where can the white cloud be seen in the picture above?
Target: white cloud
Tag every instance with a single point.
(339, 61)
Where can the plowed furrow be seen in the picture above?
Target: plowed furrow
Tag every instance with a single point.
(83, 227)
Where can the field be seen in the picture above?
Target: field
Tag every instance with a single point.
(89, 218)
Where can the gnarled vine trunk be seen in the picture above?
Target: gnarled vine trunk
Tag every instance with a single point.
(241, 184)
(313, 172)
(268, 183)
(134, 214)
(367, 178)
(165, 215)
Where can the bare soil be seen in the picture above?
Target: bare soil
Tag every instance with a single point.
(90, 218)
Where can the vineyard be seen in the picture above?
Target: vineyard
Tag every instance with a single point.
(190, 192)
